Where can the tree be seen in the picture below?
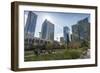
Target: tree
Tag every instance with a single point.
(49, 46)
(63, 46)
(85, 44)
(74, 45)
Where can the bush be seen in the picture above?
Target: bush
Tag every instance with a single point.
(74, 45)
(85, 44)
(63, 46)
(73, 53)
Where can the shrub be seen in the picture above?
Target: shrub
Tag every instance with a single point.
(73, 53)
(74, 45)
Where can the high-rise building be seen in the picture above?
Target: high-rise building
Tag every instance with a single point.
(29, 30)
(47, 31)
(75, 33)
(84, 29)
(81, 30)
(66, 32)
(61, 39)
(31, 23)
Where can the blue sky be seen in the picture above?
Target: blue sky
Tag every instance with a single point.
(58, 19)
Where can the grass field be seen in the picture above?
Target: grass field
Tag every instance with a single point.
(59, 55)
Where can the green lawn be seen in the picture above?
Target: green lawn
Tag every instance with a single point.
(64, 54)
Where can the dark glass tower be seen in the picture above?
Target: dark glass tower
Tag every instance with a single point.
(47, 31)
(81, 30)
(66, 32)
(31, 23)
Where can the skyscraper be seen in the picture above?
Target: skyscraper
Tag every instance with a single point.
(84, 29)
(31, 23)
(75, 33)
(81, 30)
(66, 32)
(29, 29)
(47, 31)
(62, 39)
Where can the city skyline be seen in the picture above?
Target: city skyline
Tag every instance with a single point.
(59, 20)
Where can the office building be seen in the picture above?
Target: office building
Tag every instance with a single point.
(31, 23)
(81, 30)
(47, 31)
(66, 32)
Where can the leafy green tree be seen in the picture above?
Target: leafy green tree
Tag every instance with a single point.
(49, 46)
(85, 44)
(63, 46)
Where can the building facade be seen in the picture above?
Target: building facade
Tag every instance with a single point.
(61, 39)
(47, 31)
(66, 32)
(75, 33)
(29, 30)
(31, 23)
(81, 30)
